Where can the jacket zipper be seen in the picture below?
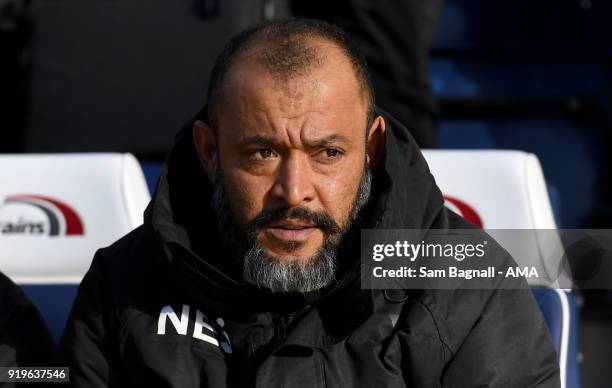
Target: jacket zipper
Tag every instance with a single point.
(280, 328)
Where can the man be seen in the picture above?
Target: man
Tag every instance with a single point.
(246, 271)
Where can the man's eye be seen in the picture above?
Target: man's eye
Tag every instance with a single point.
(329, 155)
(263, 153)
(332, 152)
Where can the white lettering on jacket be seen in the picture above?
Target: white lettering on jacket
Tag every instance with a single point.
(201, 324)
(179, 324)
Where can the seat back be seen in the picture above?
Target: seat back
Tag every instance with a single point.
(56, 210)
(500, 190)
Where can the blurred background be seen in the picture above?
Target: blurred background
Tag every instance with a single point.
(123, 76)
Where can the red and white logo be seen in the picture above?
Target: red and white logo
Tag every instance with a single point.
(464, 210)
(28, 214)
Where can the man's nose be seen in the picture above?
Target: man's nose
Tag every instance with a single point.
(294, 185)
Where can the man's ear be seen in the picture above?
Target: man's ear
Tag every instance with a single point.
(376, 141)
(205, 144)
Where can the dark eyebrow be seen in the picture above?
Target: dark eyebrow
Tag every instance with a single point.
(258, 140)
(265, 141)
(329, 140)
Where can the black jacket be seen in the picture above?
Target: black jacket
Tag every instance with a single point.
(162, 307)
(25, 339)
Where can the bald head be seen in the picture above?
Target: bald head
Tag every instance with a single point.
(290, 58)
(287, 50)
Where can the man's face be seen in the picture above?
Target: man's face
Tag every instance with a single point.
(291, 154)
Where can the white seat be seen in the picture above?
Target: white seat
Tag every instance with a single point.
(56, 210)
(501, 190)
(507, 186)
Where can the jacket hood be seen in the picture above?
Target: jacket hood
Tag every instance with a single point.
(404, 195)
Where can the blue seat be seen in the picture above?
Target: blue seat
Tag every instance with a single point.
(561, 315)
(53, 302)
(151, 172)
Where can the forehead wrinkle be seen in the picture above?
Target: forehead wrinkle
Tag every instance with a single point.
(291, 133)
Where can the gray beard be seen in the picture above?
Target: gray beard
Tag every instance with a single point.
(263, 271)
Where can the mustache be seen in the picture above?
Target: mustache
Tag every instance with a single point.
(320, 219)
